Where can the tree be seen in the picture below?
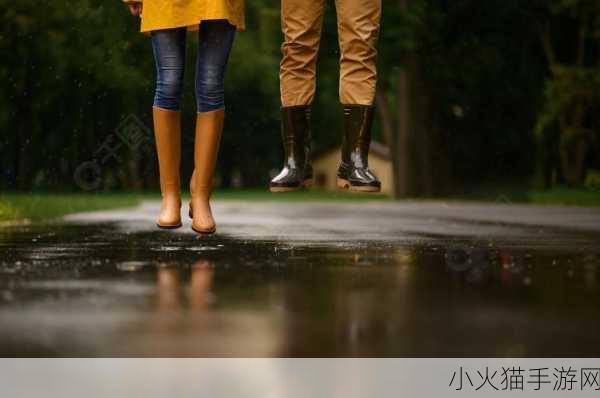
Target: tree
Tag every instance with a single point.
(69, 74)
(404, 102)
(572, 91)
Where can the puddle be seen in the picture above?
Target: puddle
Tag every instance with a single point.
(92, 290)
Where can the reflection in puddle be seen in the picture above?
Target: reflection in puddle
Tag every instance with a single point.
(160, 294)
(204, 248)
(132, 266)
(174, 294)
(166, 249)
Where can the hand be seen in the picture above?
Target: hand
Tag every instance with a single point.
(135, 9)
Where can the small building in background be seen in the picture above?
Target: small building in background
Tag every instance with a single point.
(325, 166)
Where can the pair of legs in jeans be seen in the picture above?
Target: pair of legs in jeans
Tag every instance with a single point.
(214, 45)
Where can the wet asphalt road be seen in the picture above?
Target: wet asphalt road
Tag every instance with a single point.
(414, 279)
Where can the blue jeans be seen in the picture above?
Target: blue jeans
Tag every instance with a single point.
(214, 45)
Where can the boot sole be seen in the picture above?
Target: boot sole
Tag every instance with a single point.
(204, 232)
(305, 185)
(345, 185)
(169, 226)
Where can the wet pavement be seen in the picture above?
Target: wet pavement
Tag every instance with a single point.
(307, 280)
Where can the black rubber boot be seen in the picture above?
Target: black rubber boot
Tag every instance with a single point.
(296, 136)
(354, 173)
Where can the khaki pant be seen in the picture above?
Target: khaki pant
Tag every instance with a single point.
(358, 31)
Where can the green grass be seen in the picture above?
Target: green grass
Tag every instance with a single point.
(556, 196)
(38, 206)
(301, 196)
(564, 196)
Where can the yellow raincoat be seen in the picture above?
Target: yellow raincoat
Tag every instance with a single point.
(168, 14)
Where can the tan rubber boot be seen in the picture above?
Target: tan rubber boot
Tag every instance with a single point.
(209, 127)
(167, 131)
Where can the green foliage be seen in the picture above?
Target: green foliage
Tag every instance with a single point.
(482, 69)
(571, 88)
(72, 70)
(69, 73)
(592, 181)
(568, 31)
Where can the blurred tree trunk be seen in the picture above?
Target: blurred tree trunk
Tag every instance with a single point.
(417, 157)
(403, 140)
(24, 133)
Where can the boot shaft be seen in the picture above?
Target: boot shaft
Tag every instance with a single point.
(358, 126)
(296, 135)
(167, 133)
(209, 128)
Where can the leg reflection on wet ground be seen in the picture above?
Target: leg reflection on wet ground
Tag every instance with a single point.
(94, 290)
